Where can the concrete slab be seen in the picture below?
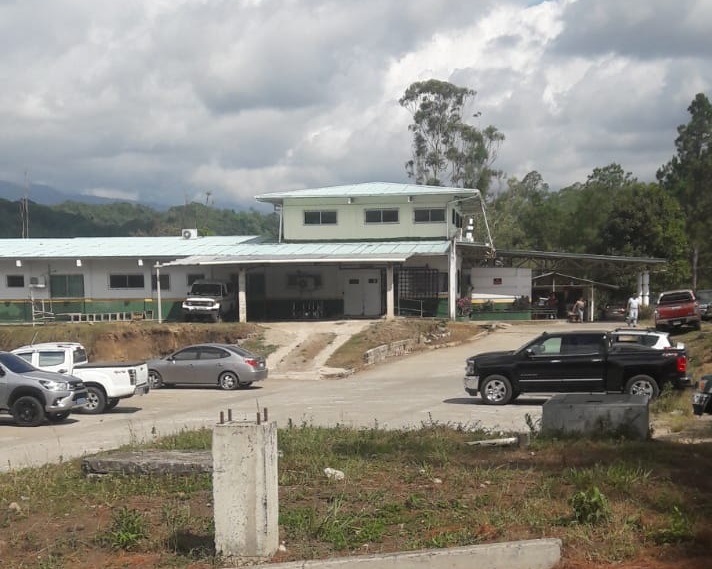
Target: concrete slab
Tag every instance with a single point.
(529, 554)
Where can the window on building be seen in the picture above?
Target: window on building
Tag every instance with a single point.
(456, 219)
(66, 286)
(15, 281)
(126, 281)
(192, 277)
(327, 217)
(381, 215)
(429, 215)
(165, 282)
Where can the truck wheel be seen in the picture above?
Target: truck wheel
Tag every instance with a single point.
(154, 379)
(28, 411)
(697, 325)
(228, 381)
(496, 390)
(642, 385)
(57, 417)
(96, 400)
(111, 403)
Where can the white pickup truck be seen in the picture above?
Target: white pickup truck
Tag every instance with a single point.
(106, 383)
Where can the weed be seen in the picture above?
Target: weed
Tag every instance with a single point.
(678, 530)
(128, 529)
(590, 506)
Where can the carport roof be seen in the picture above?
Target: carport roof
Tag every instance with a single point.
(380, 251)
(548, 279)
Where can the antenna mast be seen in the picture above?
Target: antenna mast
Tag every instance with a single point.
(25, 210)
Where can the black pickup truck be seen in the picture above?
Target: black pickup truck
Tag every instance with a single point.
(574, 362)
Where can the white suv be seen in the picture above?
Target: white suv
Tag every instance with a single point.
(644, 337)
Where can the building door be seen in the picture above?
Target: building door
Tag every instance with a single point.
(362, 292)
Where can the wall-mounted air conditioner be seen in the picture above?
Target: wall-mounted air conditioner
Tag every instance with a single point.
(189, 233)
(37, 282)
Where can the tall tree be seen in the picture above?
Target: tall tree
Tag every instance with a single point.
(446, 149)
(688, 176)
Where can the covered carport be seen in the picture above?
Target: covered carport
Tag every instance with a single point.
(567, 290)
(349, 260)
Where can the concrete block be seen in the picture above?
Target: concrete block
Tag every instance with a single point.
(245, 490)
(527, 554)
(596, 414)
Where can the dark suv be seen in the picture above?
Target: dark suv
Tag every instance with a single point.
(704, 297)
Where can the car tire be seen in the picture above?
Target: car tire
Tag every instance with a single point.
(57, 417)
(111, 403)
(228, 381)
(96, 401)
(155, 381)
(642, 385)
(496, 390)
(28, 411)
(697, 325)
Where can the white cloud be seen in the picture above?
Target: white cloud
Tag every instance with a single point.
(175, 98)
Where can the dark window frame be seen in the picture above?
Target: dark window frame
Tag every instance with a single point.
(165, 282)
(320, 217)
(15, 281)
(131, 281)
(66, 285)
(381, 216)
(430, 213)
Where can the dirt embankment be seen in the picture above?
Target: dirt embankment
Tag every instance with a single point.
(130, 341)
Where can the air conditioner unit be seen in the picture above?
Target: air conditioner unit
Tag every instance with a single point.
(37, 282)
(189, 233)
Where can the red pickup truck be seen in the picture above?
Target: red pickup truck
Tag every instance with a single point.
(677, 308)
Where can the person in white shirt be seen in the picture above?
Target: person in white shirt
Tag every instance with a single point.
(633, 306)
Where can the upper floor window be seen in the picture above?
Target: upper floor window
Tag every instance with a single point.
(432, 215)
(126, 281)
(327, 217)
(15, 281)
(381, 215)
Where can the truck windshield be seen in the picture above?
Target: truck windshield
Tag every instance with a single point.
(15, 363)
(206, 289)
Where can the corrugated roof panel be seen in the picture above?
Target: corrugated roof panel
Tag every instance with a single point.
(367, 189)
(97, 247)
(319, 252)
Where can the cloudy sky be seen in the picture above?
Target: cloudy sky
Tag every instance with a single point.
(219, 100)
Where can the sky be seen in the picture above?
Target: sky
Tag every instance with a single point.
(216, 101)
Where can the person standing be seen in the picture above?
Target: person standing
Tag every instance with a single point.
(578, 308)
(632, 308)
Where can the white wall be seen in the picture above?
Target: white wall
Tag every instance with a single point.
(502, 280)
(350, 219)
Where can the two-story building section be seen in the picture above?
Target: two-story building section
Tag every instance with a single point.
(363, 250)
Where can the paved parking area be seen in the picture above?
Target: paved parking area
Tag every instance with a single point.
(404, 393)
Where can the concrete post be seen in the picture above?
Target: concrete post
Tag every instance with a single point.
(241, 296)
(245, 497)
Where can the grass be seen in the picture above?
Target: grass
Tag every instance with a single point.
(612, 501)
(609, 500)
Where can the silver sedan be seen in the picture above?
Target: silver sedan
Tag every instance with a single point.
(227, 366)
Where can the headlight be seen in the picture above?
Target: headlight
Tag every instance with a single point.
(54, 385)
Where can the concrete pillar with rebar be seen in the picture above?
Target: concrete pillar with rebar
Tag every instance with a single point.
(245, 489)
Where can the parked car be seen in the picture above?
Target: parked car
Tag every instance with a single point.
(209, 300)
(702, 399)
(704, 298)
(226, 365)
(645, 337)
(612, 313)
(31, 395)
(677, 308)
(106, 383)
(573, 362)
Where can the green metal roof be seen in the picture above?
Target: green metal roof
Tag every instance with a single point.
(392, 251)
(102, 247)
(366, 190)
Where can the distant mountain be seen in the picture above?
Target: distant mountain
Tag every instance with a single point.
(47, 195)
